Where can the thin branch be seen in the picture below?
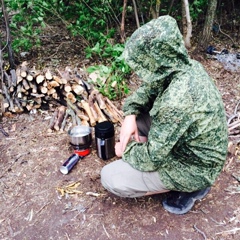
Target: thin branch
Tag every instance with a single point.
(10, 51)
(199, 231)
(136, 13)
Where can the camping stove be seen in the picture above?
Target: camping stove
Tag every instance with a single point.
(80, 140)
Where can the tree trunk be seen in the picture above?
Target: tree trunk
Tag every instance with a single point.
(187, 24)
(122, 28)
(9, 47)
(206, 33)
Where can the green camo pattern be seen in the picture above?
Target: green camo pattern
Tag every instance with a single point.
(187, 142)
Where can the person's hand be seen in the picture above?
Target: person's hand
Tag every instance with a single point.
(128, 129)
(118, 149)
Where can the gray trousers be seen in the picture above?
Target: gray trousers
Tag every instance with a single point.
(123, 180)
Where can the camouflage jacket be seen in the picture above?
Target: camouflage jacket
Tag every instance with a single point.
(187, 142)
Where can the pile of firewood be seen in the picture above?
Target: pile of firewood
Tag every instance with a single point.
(25, 89)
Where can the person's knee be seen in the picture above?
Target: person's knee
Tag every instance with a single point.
(113, 182)
(105, 177)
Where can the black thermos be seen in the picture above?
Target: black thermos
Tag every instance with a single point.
(105, 140)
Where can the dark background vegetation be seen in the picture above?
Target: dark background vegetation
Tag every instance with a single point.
(95, 30)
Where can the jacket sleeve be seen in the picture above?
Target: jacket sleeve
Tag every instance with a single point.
(168, 126)
(142, 99)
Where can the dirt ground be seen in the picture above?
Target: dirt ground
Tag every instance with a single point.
(32, 207)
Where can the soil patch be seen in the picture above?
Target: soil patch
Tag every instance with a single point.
(33, 208)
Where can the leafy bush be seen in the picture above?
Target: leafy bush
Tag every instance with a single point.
(114, 72)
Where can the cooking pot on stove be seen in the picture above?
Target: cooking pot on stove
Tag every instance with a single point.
(80, 136)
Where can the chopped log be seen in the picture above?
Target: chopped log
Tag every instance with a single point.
(51, 91)
(118, 115)
(37, 106)
(78, 112)
(40, 78)
(44, 83)
(101, 116)
(19, 79)
(73, 116)
(78, 89)
(65, 76)
(43, 89)
(57, 79)
(96, 95)
(53, 84)
(38, 100)
(109, 115)
(11, 89)
(67, 87)
(29, 106)
(25, 84)
(9, 99)
(33, 86)
(52, 121)
(18, 75)
(60, 116)
(55, 96)
(48, 75)
(8, 79)
(65, 119)
(37, 95)
(71, 97)
(13, 77)
(85, 106)
(85, 123)
(5, 104)
(29, 77)
(34, 72)
(94, 112)
(23, 71)
(18, 108)
(24, 101)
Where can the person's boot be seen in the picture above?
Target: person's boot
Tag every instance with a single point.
(182, 202)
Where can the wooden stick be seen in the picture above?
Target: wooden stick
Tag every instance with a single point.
(8, 79)
(14, 77)
(109, 115)
(101, 116)
(53, 120)
(64, 120)
(85, 106)
(99, 97)
(25, 84)
(61, 113)
(78, 112)
(9, 99)
(118, 115)
(33, 86)
(94, 112)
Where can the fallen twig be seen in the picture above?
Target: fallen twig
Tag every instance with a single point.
(232, 231)
(3, 132)
(199, 231)
(105, 231)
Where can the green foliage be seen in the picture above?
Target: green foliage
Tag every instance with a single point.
(197, 8)
(26, 23)
(114, 72)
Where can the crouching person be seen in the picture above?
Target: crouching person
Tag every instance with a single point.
(174, 135)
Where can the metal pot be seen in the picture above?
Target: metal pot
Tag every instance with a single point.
(80, 135)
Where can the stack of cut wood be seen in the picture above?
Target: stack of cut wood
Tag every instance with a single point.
(26, 88)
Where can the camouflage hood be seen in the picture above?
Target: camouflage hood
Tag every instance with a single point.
(156, 50)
